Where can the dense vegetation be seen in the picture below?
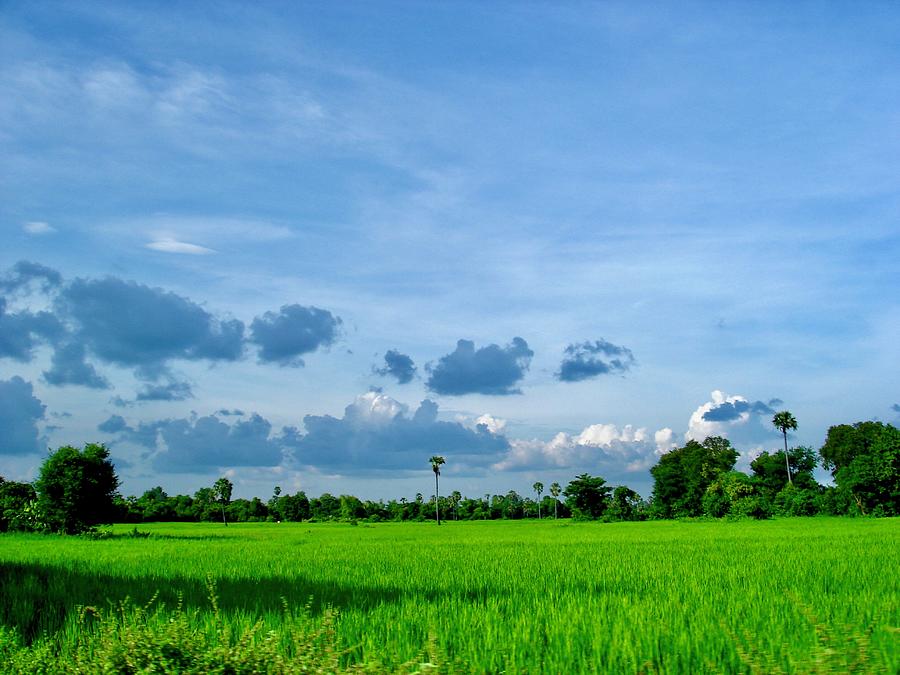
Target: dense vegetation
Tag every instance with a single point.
(77, 490)
(554, 596)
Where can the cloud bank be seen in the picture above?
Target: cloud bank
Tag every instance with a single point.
(586, 360)
(20, 411)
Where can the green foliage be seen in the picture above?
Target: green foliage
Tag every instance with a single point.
(735, 495)
(221, 494)
(587, 496)
(770, 470)
(626, 504)
(682, 476)
(17, 506)
(865, 461)
(76, 489)
(794, 500)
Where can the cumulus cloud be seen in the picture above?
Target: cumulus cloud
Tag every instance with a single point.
(606, 448)
(377, 433)
(201, 444)
(21, 332)
(68, 366)
(236, 412)
(20, 410)
(113, 425)
(172, 391)
(132, 325)
(295, 330)
(491, 370)
(734, 417)
(397, 365)
(38, 227)
(25, 272)
(896, 407)
(585, 360)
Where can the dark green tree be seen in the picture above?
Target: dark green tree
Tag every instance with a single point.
(587, 496)
(865, 461)
(770, 471)
(681, 476)
(76, 489)
(222, 489)
(17, 506)
(625, 504)
(784, 421)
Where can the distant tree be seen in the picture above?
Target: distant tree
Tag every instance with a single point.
(76, 489)
(587, 496)
(17, 506)
(625, 504)
(864, 459)
(555, 490)
(734, 494)
(784, 420)
(681, 477)
(436, 461)
(294, 508)
(455, 499)
(352, 508)
(539, 488)
(222, 489)
(770, 471)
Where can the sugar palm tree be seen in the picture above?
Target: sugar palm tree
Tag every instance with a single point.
(539, 488)
(436, 461)
(555, 490)
(784, 421)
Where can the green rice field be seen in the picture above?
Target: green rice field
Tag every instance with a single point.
(792, 595)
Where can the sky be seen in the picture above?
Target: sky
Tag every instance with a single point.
(313, 244)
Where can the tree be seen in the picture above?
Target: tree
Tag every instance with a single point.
(625, 505)
(436, 461)
(222, 494)
(555, 490)
(864, 459)
(17, 506)
(76, 489)
(587, 496)
(784, 420)
(539, 488)
(681, 477)
(770, 470)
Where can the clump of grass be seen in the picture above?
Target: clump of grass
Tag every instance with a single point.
(130, 639)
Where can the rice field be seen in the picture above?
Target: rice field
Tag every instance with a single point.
(792, 595)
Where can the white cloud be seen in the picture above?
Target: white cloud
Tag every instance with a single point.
(741, 423)
(606, 447)
(493, 424)
(175, 246)
(38, 227)
(373, 407)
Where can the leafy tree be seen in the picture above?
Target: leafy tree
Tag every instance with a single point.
(784, 420)
(76, 489)
(625, 504)
(681, 477)
(865, 461)
(455, 499)
(587, 496)
(539, 489)
(555, 490)
(770, 471)
(734, 494)
(352, 508)
(222, 495)
(293, 508)
(17, 506)
(436, 461)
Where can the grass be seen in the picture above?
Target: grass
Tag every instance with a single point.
(793, 595)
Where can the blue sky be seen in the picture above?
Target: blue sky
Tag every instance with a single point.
(313, 244)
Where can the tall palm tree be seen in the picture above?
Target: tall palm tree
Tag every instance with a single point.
(539, 488)
(555, 490)
(784, 421)
(436, 461)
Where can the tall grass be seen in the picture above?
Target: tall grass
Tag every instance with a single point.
(805, 595)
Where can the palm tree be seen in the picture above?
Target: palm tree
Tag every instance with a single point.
(436, 461)
(555, 490)
(539, 488)
(784, 421)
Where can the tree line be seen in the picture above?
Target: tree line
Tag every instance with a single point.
(78, 489)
